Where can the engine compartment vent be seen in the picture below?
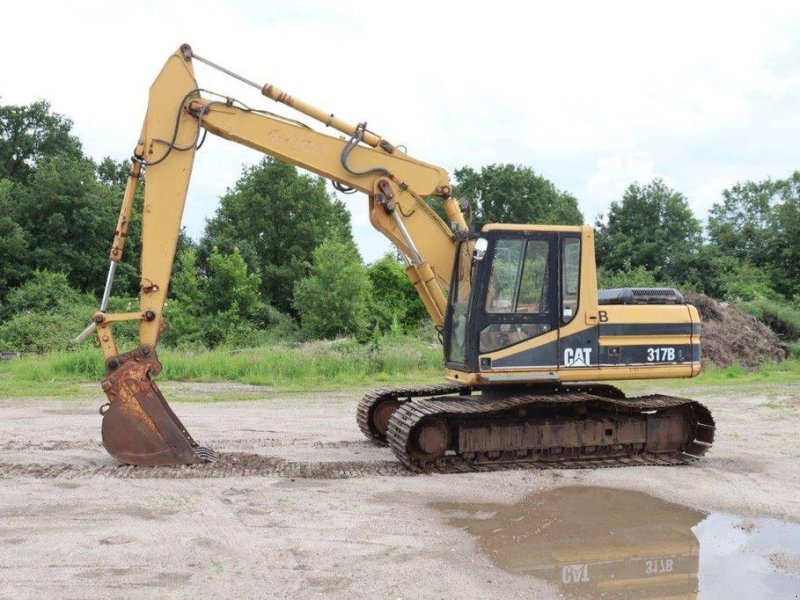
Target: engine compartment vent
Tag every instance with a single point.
(640, 296)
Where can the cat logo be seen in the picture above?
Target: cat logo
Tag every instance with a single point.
(575, 573)
(577, 357)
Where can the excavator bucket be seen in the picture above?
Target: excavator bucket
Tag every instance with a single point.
(139, 427)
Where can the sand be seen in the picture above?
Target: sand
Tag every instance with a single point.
(323, 513)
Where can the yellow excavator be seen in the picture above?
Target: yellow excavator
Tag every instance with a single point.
(526, 334)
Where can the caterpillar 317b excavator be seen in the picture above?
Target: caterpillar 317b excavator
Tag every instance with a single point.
(526, 334)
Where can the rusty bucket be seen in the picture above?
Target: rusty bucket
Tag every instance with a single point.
(139, 427)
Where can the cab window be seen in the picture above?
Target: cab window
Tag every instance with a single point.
(518, 282)
(460, 296)
(517, 303)
(570, 277)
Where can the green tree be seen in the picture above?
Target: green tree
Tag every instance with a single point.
(30, 133)
(739, 225)
(276, 217)
(515, 194)
(652, 227)
(758, 224)
(333, 299)
(50, 200)
(113, 173)
(68, 219)
(784, 238)
(744, 282)
(14, 243)
(395, 304)
(221, 306)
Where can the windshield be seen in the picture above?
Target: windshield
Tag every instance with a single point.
(459, 304)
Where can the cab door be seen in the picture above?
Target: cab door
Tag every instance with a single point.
(520, 300)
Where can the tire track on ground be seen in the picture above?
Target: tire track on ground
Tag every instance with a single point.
(229, 464)
(254, 442)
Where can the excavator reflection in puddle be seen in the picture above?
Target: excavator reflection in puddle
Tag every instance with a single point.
(591, 542)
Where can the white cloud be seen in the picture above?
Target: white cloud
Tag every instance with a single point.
(611, 177)
(592, 95)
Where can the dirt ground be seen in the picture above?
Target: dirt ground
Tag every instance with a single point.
(324, 513)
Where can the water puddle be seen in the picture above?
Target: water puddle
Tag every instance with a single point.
(606, 543)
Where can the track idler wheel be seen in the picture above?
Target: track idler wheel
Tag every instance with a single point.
(381, 415)
(431, 440)
(139, 427)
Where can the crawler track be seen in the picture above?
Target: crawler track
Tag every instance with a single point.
(396, 396)
(591, 426)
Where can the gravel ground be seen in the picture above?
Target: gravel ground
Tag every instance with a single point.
(319, 512)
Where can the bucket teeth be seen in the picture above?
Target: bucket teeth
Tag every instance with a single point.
(205, 454)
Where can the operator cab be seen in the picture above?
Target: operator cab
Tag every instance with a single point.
(509, 285)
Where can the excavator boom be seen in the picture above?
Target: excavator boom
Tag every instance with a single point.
(138, 425)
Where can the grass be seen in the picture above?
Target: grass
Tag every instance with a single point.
(317, 365)
(22, 388)
(780, 315)
(787, 371)
(313, 366)
(714, 379)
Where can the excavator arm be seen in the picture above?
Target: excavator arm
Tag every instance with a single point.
(138, 425)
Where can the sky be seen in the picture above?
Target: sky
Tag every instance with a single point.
(592, 95)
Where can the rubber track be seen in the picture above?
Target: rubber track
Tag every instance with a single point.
(403, 394)
(408, 416)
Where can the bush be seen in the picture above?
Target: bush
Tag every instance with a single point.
(746, 282)
(627, 277)
(220, 307)
(49, 330)
(34, 332)
(277, 326)
(45, 314)
(395, 306)
(43, 293)
(333, 300)
(779, 314)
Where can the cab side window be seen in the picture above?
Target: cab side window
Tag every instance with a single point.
(570, 277)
